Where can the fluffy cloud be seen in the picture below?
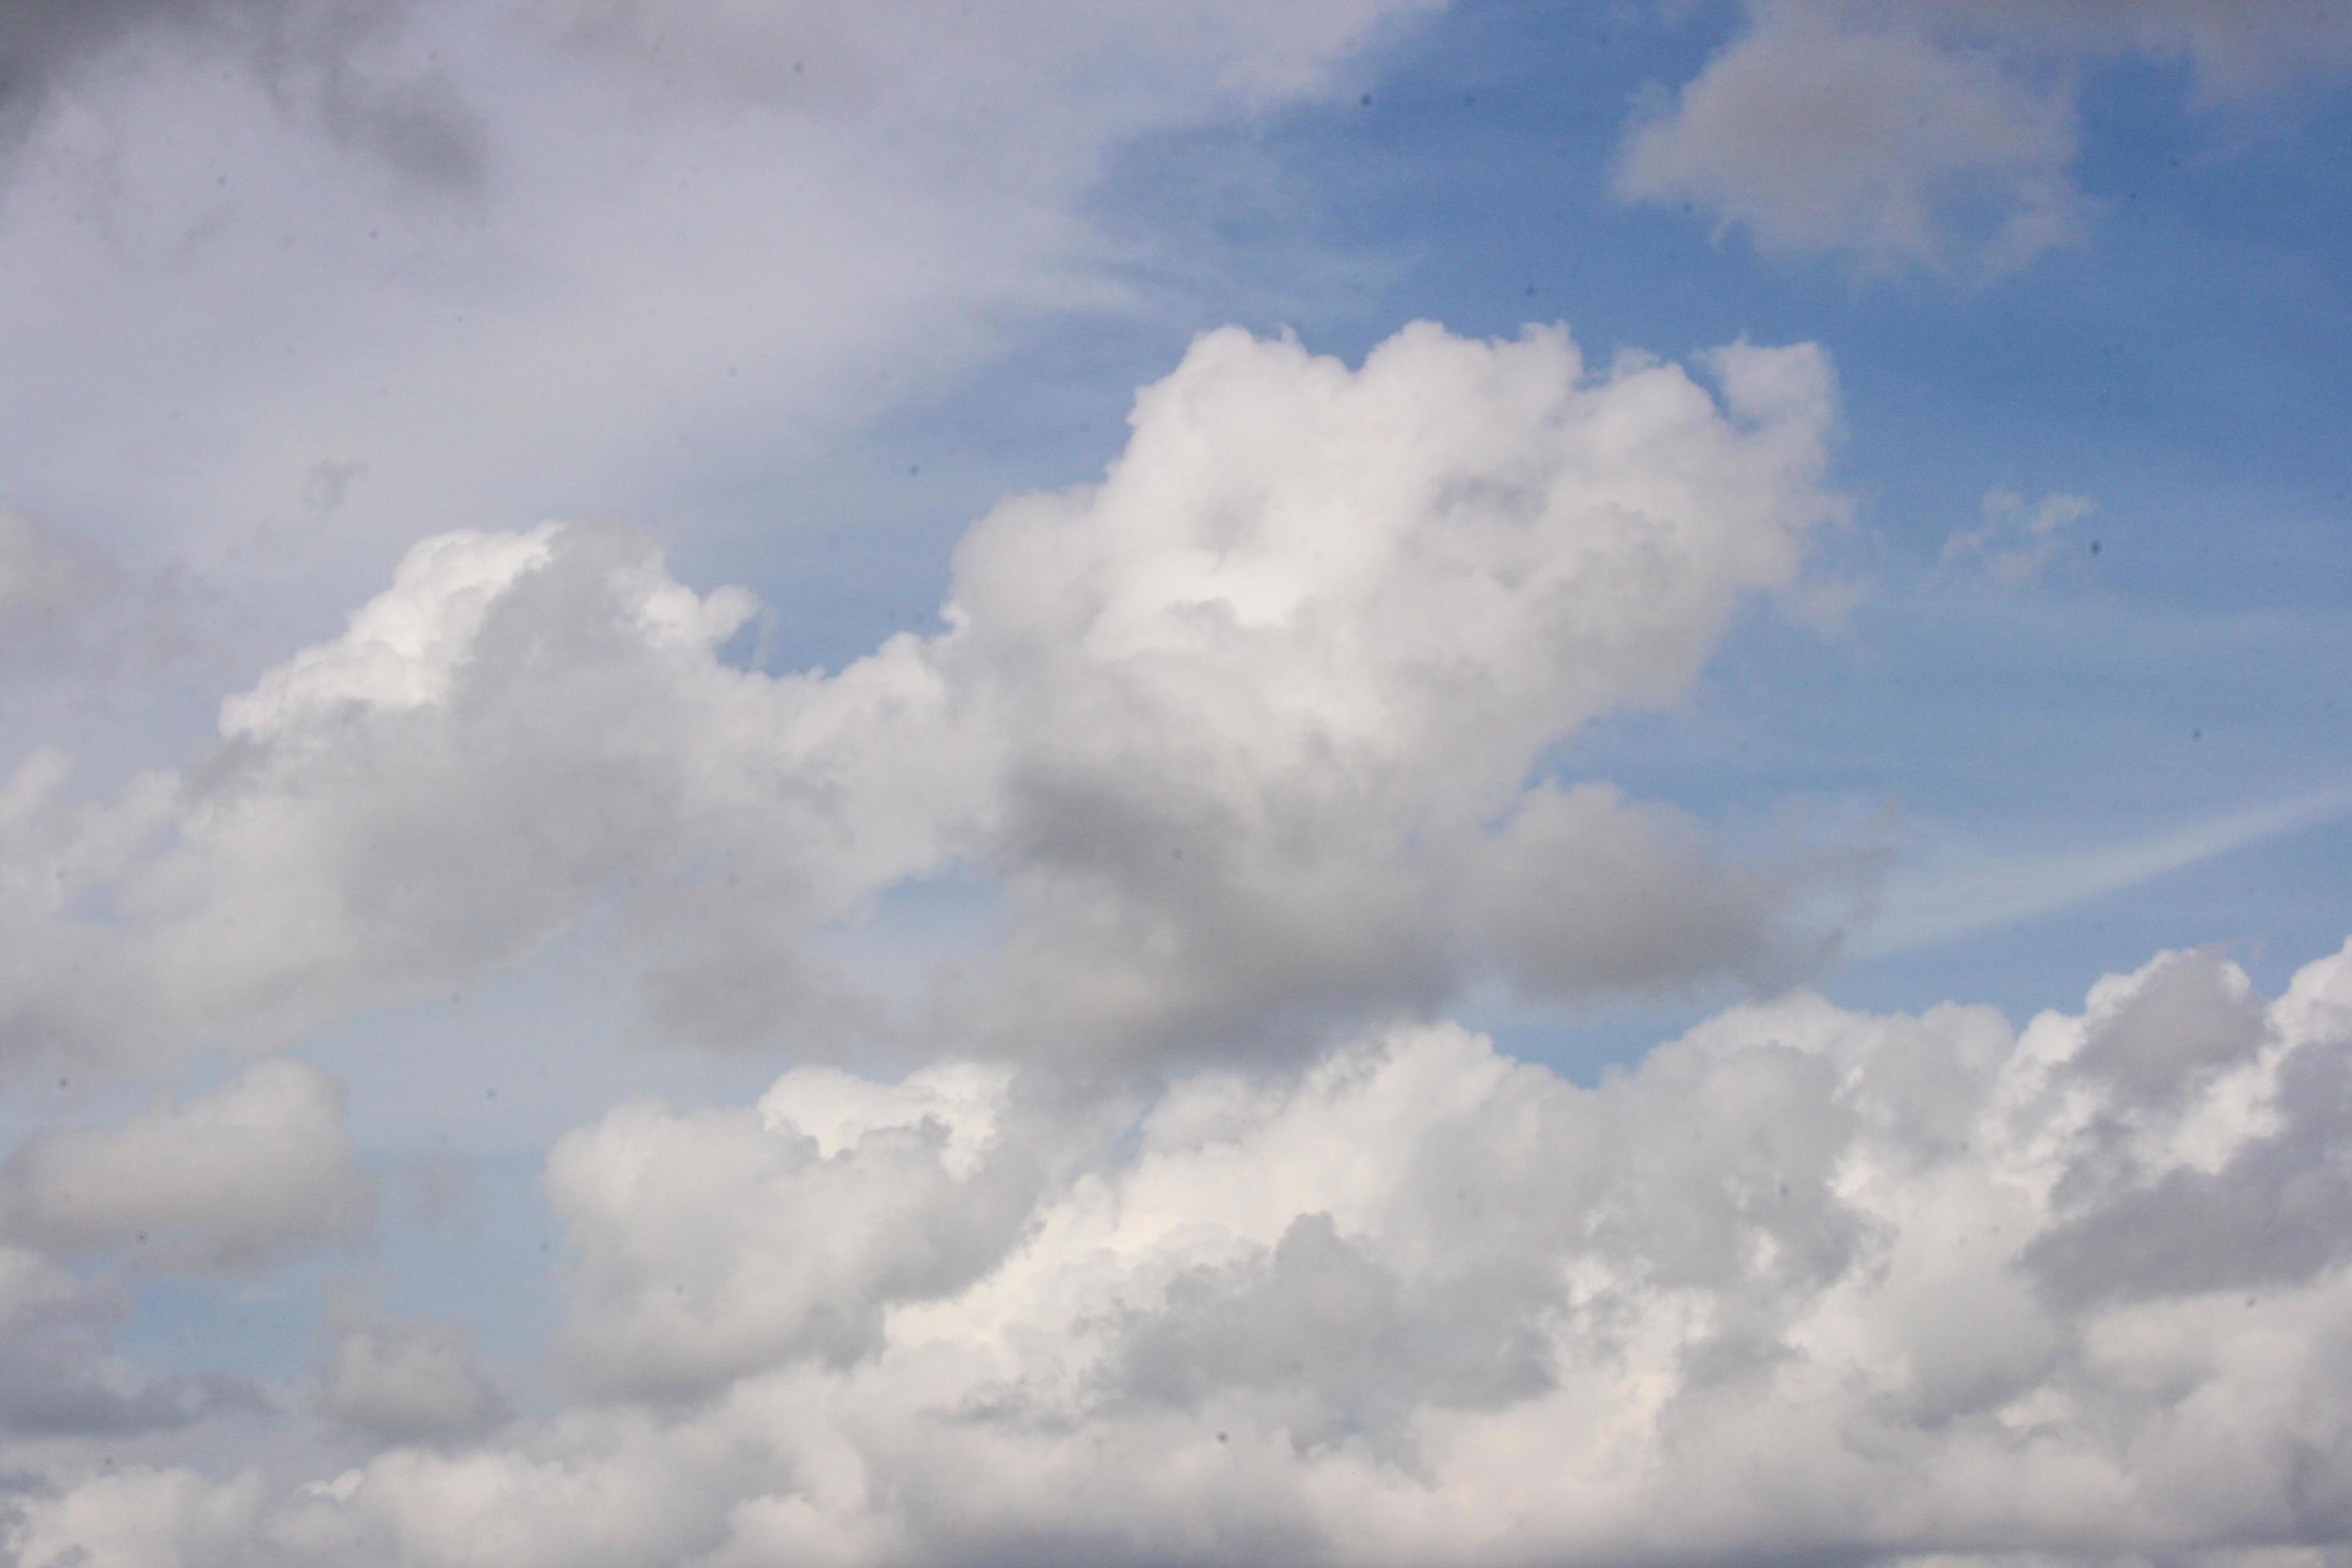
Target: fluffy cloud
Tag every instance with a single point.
(1246, 733)
(1805, 1283)
(249, 1174)
(1933, 133)
(845, 1197)
(1273, 690)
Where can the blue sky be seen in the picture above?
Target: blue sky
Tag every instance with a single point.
(703, 797)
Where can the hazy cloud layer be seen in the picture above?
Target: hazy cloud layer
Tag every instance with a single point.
(432, 263)
(1247, 731)
(1806, 1284)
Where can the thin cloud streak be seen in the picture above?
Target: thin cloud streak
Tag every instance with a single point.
(1961, 894)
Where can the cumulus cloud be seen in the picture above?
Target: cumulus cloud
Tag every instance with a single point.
(253, 1172)
(1273, 688)
(1804, 1284)
(1249, 732)
(1937, 134)
(852, 1197)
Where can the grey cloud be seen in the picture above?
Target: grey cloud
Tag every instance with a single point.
(407, 1382)
(1318, 1322)
(241, 1178)
(43, 42)
(1936, 134)
(60, 1377)
(2274, 1215)
(2191, 1014)
(1582, 891)
(1818, 133)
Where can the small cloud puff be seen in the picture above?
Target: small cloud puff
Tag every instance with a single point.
(2017, 539)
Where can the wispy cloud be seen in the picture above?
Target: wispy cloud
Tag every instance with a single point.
(1955, 892)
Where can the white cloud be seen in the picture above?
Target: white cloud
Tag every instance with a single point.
(842, 1199)
(1937, 134)
(1246, 731)
(1804, 1284)
(250, 1174)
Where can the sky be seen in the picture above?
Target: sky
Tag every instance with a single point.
(1372, 782)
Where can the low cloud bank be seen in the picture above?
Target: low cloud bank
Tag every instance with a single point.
(1805, 1284)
